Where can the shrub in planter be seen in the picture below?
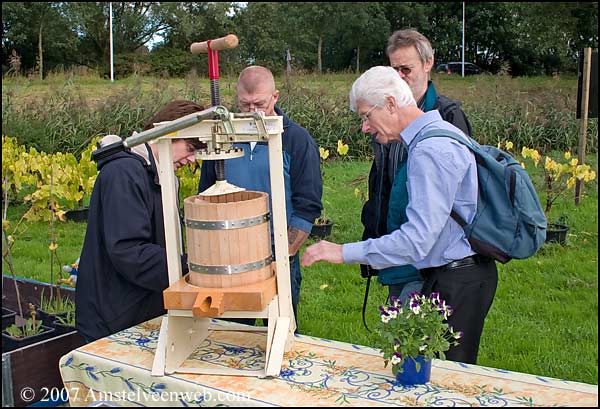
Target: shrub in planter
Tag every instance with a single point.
(322, 225)
(51, 308)
(321, 228)
(65, 324)
(77, 215)
(14, 337)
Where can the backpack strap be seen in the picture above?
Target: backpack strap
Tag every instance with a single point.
(466, 141)
(365, 301)
(446, 105)
(461, 222)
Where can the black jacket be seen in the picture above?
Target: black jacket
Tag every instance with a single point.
(374, 212)
(123, 266)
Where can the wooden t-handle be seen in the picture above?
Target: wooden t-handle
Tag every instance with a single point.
(223, 43)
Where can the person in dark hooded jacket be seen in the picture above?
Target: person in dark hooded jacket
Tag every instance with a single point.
(123, 265)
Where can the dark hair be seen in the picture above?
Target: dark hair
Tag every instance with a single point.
(175, 110)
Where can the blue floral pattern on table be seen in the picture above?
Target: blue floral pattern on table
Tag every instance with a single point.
(315, 372)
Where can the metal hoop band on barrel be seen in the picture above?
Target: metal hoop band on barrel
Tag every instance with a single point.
(238, 269)
(227, 224)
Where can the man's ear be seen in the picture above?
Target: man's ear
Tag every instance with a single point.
(428, 65)
(390, 103)
(275, 96)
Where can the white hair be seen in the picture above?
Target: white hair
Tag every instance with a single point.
(377, 83)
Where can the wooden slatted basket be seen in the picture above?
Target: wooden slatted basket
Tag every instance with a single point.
(228, 239)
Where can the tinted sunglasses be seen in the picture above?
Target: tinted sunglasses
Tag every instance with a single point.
(404, 69)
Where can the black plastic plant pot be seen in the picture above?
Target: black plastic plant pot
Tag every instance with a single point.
(48, 318)
(557, 233)
(77, 215)
(321, 230)
(11, 343)
(62, 328)
(8, 318)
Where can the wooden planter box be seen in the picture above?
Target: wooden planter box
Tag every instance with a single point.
(8, 318)
(34, 366)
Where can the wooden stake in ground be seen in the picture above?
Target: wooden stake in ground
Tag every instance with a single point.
(585, 96)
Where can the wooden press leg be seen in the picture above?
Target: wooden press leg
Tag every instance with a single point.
(184, 334)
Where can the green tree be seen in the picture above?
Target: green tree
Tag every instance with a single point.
(358, 39)
(134, 24)
(262, 29)
(194, 21)
(313, 23)
(39, 32)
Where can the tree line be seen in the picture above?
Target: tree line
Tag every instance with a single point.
(515, 38)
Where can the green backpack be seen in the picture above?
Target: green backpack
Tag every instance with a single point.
(510, 222)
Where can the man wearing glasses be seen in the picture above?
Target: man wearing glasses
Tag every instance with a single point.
(440, 176)
(411, 55)
(302, 172)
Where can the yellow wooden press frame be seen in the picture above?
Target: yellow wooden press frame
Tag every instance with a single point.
(181, 333)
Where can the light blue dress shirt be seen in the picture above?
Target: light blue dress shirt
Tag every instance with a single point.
(442, 175)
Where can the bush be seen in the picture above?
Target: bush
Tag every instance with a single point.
(64, 119)
(534, 112)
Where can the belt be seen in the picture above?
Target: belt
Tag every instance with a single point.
(453, 265)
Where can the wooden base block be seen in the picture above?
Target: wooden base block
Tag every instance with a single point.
(212, 302)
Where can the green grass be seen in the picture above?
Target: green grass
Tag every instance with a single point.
(544, 319)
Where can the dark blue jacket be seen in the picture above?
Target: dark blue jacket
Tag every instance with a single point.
(123, 266)
(301, 168)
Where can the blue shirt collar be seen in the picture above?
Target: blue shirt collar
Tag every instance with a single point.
(416, 126)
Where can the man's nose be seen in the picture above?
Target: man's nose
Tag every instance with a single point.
(365, 127)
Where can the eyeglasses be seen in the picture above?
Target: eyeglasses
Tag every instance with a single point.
(365, 117)
(404, 69)
(258, 106)
(190, 148)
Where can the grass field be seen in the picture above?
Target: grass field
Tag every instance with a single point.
(544, 319)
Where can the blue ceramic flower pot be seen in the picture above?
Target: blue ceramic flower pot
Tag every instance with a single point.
(410, 376)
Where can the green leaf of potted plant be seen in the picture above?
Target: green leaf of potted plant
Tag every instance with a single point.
(65, 323)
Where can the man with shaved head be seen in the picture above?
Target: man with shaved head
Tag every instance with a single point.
(301, 166)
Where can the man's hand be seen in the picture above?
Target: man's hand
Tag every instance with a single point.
(323, 251)
(295, 239)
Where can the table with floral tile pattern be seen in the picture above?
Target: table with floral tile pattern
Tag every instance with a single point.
(316, 372)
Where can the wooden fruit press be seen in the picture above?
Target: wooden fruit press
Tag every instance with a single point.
(220, 283)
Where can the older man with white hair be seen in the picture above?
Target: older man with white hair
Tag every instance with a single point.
(439, 176)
